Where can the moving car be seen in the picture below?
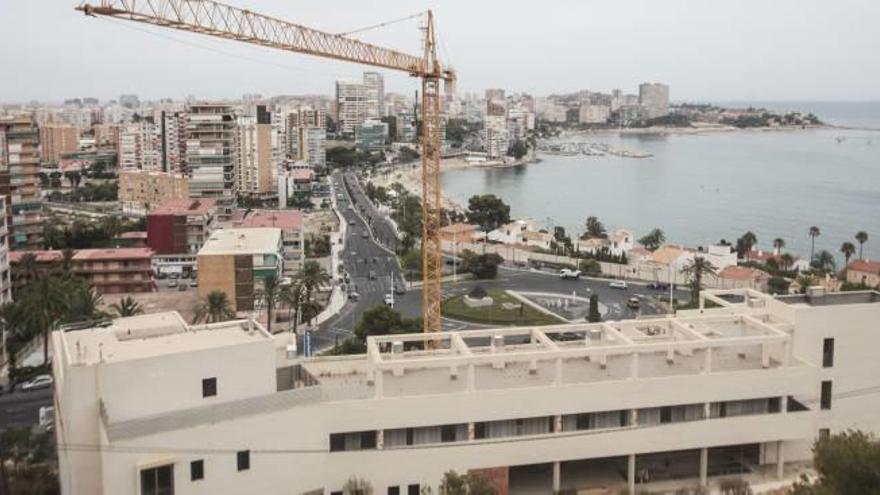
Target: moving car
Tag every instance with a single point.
(353, 296)
(567, 274)
(633, 303)
(172, 283)
(618, 284)
(399, 289)
(47, 417)
(36, 383)
(372, 274)
(365, 235)
(389, 300)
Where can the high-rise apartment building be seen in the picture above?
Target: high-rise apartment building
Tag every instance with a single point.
(5, 272)
(371, 135)
(173, 141)
(496, 137)
(56, 140)
(255, 169)
(375, 94)
(211, 152)
(139, 147)
(19, 182)
(655, 98)
(140, 190)
(306, 133)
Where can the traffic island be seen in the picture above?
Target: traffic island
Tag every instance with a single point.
(497, 307)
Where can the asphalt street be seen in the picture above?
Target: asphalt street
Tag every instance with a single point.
(363, 256)
(22, 409)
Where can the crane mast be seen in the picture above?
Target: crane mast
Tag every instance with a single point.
(224, 21)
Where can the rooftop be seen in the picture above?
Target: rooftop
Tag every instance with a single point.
(85, 254)
(742, 273)
(184, 207)
(242, 241)
(283, 219)
(458, 228)
(158, 334)
(864, 266)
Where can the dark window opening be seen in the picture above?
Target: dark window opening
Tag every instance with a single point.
(209, 387)
(825, 400)
(828, 353)
(337, 442)
(665, 414)
(243, 460)
(479, 431)
(197, 470)
(447, 433)
(824, 433)
(410, 436)
(368, 439)
(158, 480)
(582, 421)
(624, 418)
(413, 489)
(393, 490)
(774, 405)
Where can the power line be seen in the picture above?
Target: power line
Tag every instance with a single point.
(381, 24)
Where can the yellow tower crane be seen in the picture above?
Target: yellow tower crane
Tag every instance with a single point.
(223, 21)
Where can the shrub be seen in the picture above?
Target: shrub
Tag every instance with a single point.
(477, 292)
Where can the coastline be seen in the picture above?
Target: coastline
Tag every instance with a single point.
(707, 129)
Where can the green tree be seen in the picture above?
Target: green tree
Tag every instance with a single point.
(653, 240)
(465, 484)
(696, 270)
(518, 149)
(312, 276)
(862, 238)
(488, 211)
(27, 460)
(481, 266)
(786, 261)
(27, 268)
(594, 316)
(778, 244)
(594, 229)
(214, 308)
(127, 306)
(293, 296)
(778, 285)
(848, 249)
(83, 302)
(590, 267)
(814, 232)
(846, 463)
(44, 302)
(269, 295)
(383, 320)
(746, 243)
(824, 261)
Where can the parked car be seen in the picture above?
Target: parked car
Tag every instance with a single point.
(618, 284)
(172, 283)
(36, 383)
(567, 274)
(174, 276)
(47, 417)
(161, 275)
(194, 283)
(351, 223)
(633, 303)
(365, 235)
(353, 296)
(658, 286)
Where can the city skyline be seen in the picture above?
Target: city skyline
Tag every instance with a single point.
(741, 55)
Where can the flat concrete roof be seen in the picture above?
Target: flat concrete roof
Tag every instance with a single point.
(158, 334)
(283, 219)
(242, 241)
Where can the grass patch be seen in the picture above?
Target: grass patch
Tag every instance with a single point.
(455, 308)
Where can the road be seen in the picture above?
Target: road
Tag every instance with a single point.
(363, 255)
(20, 409)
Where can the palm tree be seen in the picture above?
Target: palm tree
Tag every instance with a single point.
(215, 308)
(27, 268)
(66, 262)
(746, 243)
(595, 229)
(696, 269)
(44, 302)
(293, 296)
(269, 294)
(862, 237)
(778, 244)
(83, 303)
(804, 282)
(786, 260)
(127, 306)
(10, 319)
(848, 249)
(814, 232)
(312, 275)
(824, 261)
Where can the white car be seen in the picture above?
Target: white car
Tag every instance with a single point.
(389, 300)
(47, 417)
(618, 284)
(36, 383)
(566, 274)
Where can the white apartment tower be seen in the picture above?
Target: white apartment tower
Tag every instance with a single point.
(211, 151)
(357, 101)
(140, 147)
(654, 97)
(375, 84)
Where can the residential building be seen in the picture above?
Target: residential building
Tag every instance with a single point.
(235, 261)
(291, 224)
(19, 182)
(256, 170)
(211, 152)
(743, 277)
(538, 239)
(589, 113)
(106, 136)
(461, 233)
(511, 233)
(140, 147)
(176, 231)
(56, 140)
(352, 106)
(375, 84)
(5, 271)
(659, 404)
(496, 137)
(141, 190)
(310, 145)
(371, 135)
(108, 271)
(173, 133)
(654, 97)
(865, 272)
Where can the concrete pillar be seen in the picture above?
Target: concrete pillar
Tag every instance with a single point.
(380, 439)
(634, 417)
(707, 410)
(557, 423)
(631, 474)
(471, 378)
(783, 404)
(379, 383)
(471, 432)
(704, 467)
(780, 459)
(557, 476)
(707, 363)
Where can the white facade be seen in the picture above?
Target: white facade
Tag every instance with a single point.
(496, 138)
(654, 97)
(140, 147)
(759, 375)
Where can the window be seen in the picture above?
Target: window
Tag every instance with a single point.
(479, 431)
(410, 436)
(393, 490)
(209, 387)
(825, 400)
(665, 414)
(158, 480)
(337, 442)
(413, 489)
(243, 458)
(368, 439)
(447, 433)
(824, 433)
(197, 470)
(582, 421)
(828, 353)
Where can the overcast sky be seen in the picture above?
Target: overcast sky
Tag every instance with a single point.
(705, 50)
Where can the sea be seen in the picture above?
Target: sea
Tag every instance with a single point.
(702, 188)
